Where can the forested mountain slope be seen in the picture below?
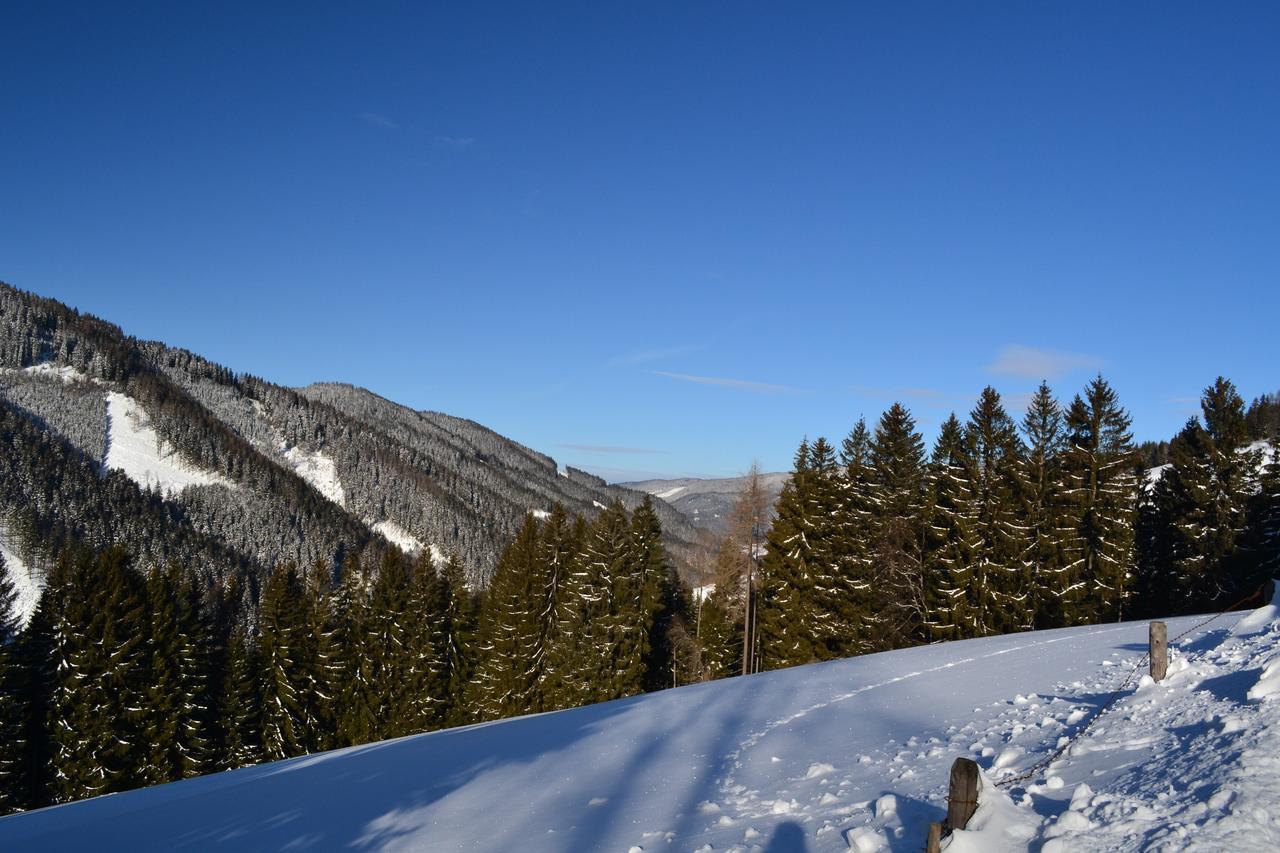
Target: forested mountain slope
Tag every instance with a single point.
(112, 439)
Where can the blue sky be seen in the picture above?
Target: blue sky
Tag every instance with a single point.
(662, 238)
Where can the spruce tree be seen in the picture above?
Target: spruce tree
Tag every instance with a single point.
(461, 624)
(175, 710)
(853, 552)
(657, 600)
(1042, 508)
(1258, 558)
(242, 702)
(324, 674)
(1100, 494)
(897, 614)
(507, 676)
(99, 699)
(951, 544)
(557, 555)
(832, 602)
(386, 640)
(358, 689)
(1201, 508)
(284, 671)
(999, 588)
(13, 704)
(787, 628)
(427, 673)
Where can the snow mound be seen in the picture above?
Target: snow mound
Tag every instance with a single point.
(398, 536)
(997, 826)
(1268, 686)
(318, 470)
(134, 447)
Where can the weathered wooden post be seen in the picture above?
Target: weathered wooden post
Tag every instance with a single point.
(934, 844)
(1159, 650)
(962, 800)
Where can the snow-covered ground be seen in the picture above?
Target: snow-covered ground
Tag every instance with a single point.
(318, 470)
(134, 448)
(848, 754)
(398, 536)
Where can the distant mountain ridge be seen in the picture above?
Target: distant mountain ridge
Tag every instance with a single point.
(707, 502)
(113, 439)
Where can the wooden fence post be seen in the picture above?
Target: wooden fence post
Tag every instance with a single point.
(934, 844)
(962, 800)
(1159, 650)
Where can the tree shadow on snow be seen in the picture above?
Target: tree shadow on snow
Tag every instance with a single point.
(915, 815)
(787, 838)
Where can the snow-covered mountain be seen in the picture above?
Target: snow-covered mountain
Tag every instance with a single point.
(851, 754)
(112, 439)
(707, 502)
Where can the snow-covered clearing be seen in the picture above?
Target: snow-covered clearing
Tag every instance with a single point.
(398, 536)
(318, 470)
(134, 448)
(669, 493)
(26, 582)
(47, 369)
(851, 754)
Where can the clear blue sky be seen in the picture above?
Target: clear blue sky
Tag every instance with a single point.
(662, 238)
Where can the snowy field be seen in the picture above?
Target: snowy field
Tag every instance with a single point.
(134, 448)
(850, 754)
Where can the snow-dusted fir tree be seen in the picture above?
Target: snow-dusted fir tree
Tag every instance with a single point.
(950, 541)
(425, 699)
(357, 691)
(282, 656)
(242, 702)
(176, 714)
(458, 637)
(13, 710)
(832, 602)
(1042, 507)
(787, 628)
(1000, 584)
(507, 676)
(1100, 493)
(1200, 506)
(557, 553)
(897, 520)
(100, 664)
(853, 521)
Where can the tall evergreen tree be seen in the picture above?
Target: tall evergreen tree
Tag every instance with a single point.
(99, 701)
(459, 637)
(853, 522)
(897, 529)
(13, 704)
(1201, 507)
(1100, 492)
(833, 596)
(242, 702)
(507, 676)
(787, 622)
(999, 589)
(951, 544)
(282, 656)
(1042, 507)
(175, 734)
(358, 691)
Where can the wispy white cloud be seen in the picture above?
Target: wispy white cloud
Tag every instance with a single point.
(637, 357)
(605, 448)
(931, 397)
(444, 141)
(378, 120)
(1035, 363)
(738, 384)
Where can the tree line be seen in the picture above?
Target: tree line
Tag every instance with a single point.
(123, 678)
(1001, 526)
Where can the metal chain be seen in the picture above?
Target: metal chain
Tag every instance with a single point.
(1043, 763)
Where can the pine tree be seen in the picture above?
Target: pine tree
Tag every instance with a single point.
(853, 533)
(281, 655)
(1042, 508)
(557, 554)
(242, 702)
(719, 635)
(386, 640)
(787, 622)
(1258, 558)
(459, 636)
(657, 602)
(951, 545)
(358, 690)
(99, 702)
(507, 676)
(832, 600)
(896, 531)
(1201, 508)
(1100, 492)
(324, 673)
(13, 705)
(427, 673)
(999, 588)
(175, 711)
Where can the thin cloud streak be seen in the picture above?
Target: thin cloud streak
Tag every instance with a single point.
(736, 384)
(604, 448)
(638, 357)
(379, 121)
(454, 141)
(1034, 363)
